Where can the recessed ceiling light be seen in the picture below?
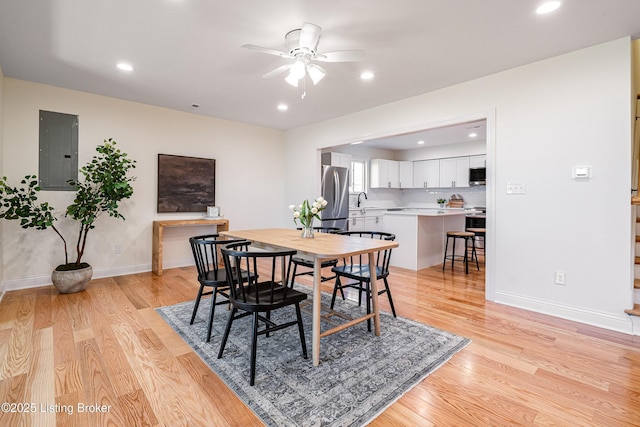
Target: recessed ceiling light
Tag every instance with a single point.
(125, 67)
(357, 142)
(547, 7)
(420, 142)
(473, 135)
(283, 107)
(367, 75)
(195, 105)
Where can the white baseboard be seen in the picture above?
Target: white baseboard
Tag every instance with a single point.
(620, 323)
(635, 321)
(38, 281)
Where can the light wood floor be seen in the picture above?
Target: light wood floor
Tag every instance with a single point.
(108, 346)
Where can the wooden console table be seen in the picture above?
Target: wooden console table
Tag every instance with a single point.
(158, 232)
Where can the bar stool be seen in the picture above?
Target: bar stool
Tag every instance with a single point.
(466, 236)
(480, 234)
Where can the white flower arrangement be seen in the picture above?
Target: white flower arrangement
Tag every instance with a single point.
(306, 212)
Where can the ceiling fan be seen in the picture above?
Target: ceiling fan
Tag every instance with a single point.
(302, 44)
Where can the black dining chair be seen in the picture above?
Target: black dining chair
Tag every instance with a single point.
(307, 264)
(206, 255)
(355, 271)
(260, 295)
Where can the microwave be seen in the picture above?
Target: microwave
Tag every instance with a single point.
(477, 176)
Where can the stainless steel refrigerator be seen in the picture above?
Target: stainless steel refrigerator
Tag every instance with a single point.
(335, 190)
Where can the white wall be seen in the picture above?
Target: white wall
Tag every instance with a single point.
(543, 118)
(2, 285)
(249, 168)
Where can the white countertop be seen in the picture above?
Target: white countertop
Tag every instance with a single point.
(429, 212)
(408, 210)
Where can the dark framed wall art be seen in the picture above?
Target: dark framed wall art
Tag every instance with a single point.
(185, 184)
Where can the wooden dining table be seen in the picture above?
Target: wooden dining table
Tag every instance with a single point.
(323, 246)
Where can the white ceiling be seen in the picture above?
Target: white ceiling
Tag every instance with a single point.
(188, 51)
(452, 134)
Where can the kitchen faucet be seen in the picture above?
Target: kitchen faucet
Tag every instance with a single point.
(365, 197)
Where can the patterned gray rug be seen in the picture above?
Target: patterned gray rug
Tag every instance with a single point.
(359, 375)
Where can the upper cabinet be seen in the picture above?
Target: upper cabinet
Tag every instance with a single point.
(405, 174)
(478, 161)
(391, 174)
(337, 159)
(426, 174)
(384, 174)
(454, 172)
(436, 173)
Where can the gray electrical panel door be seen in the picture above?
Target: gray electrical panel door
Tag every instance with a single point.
(58, 151)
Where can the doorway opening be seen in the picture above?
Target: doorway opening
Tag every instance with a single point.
(468, 136)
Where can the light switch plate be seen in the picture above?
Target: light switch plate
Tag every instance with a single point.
(516, 188)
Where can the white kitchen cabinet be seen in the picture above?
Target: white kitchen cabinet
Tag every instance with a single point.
(454, 172)
(405, 174)
(356, 221)
(384, 174)
(478, 161)
(366, 223)
(337, 159)
(426, 174)
(391, 174)
(369, 221)
(374, 223)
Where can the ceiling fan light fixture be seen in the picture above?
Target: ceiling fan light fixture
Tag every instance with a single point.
(292, 80)
(302, 45)
(298, 69)
(316, 74)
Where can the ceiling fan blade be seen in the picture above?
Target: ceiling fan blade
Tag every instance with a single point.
(266, 50)
(309, 36)
(277, 71)
(341, 56)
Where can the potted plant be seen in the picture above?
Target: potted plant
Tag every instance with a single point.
(105, 184)
(441, 202)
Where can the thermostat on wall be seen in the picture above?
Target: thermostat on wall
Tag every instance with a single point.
(581, 172)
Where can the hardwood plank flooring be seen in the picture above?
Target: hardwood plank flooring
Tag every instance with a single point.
(107, 347)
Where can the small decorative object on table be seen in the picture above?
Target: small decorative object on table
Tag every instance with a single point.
(213, 212)
(306, 212)
(441, 202)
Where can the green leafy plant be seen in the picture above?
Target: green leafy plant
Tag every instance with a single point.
(440, 201)
(106, 183)
(306, 212)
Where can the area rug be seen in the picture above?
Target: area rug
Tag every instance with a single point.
(359, 375)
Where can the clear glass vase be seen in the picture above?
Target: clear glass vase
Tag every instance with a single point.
(307, 232)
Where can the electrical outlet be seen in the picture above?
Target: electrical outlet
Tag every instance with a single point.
(561, 278)
(118, 249)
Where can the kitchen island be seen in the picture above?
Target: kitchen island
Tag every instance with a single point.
(421, 234)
